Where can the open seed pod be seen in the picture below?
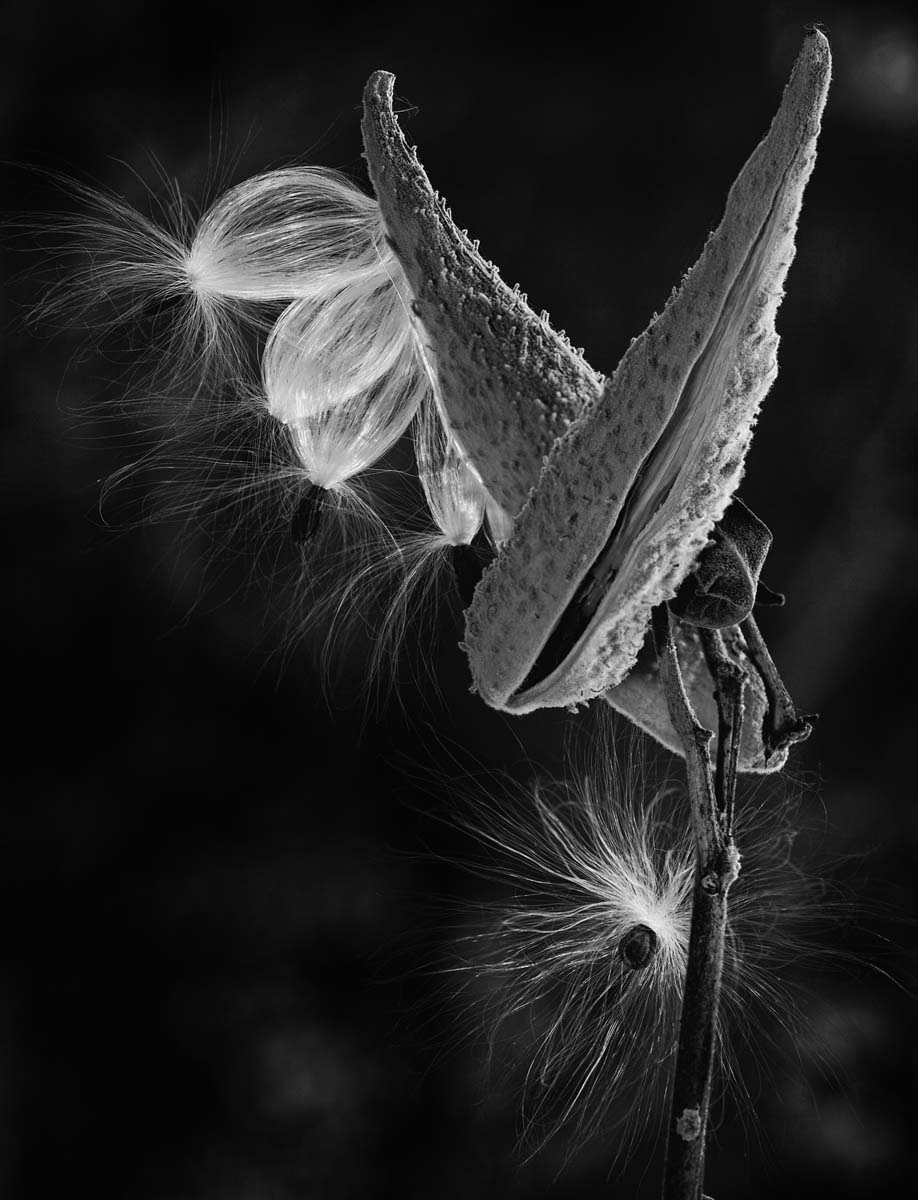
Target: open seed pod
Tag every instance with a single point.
(635, 482)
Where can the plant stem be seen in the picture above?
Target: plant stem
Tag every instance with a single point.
(711, 802)
(729, 681)
(683, 1176)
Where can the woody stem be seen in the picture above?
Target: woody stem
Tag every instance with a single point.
(729, 683)
(711, 804)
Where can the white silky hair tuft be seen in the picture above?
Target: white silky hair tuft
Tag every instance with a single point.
(589, 861)
(455, 495)
(295, 233)
(583, 866)
(500, 523)
(402, 574)
(298, 233)
(114, 268)
(344, 375)
(340, 368)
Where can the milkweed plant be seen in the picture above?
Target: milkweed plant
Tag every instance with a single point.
(593, 530)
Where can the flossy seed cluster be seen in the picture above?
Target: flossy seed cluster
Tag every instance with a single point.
(581, 962)
(602, 492)
(296, 263)
(579, 958)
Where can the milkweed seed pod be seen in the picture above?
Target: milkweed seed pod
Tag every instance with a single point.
(637, 469)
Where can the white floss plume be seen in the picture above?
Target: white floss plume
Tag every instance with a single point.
(454, 493)
(297, 257)
(579, 965)
(401, 576)
(500, 522)
(341, 368)
(115, 268)
(456, 498)
(344, 376)
(299, 233)
(582, 968)
(295, 233)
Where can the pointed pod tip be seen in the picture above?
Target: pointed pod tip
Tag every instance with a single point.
(798, 119)
(815, 56)
(379, 89)
(816, 38)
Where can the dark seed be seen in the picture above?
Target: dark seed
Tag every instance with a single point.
(469, 564)
(306, 516)
(637, 947)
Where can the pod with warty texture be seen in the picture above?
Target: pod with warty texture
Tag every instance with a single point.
(618, 483)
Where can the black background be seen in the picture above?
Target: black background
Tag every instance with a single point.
(217, 868)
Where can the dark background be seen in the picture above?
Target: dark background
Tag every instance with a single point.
(218, 881)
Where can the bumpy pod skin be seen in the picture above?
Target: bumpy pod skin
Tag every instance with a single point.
(507, 405)
(692, 383)
(509, 385)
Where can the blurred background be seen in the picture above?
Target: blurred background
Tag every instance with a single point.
(224, 873)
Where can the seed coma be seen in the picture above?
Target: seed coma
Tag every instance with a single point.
(637, 947)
